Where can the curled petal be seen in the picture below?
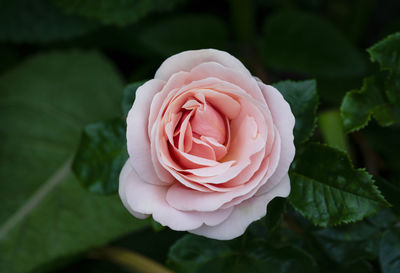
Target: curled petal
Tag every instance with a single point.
(284, 122)
(144, 199)
(244, 214)
(186, 60)
(136, 134)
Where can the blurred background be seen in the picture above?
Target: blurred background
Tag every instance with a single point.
(64, 64)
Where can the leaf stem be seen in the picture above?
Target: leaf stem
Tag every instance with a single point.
(330, 124)
(130, 260)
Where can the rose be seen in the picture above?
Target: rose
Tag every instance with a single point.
(209, 146)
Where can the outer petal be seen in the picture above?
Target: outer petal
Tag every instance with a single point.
(123, 181)
(244, 214)
(212, 69)
(144, 199)
(187, 60)
(138, 140)
(284, 121)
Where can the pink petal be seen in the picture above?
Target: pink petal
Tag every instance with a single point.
(213, 69)
(262, 175)
(190, 161)
(185, 199)
(284, 122)
(185, 134)
(211, 171)
(162, 98)
(146, 199)
(171, 125)
(202, 149)
(186, 60)
(244, 214)
(208, 122)
(219, 149)
(137, 123)
(123, 177)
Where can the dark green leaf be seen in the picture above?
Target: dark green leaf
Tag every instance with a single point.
(389, 251)
(391, 191)
(387, 54)
(101, 155)
(128, 97)
(328, 190)
(300, 42)
(303, 99)
(9, 56)
(185, 32)
(359, 105)
(385, 141)
(276, 209)
(117, 12)
(360, 266)
(45, 215)
(198, 254)
(349, 243)
(38, 21)
(192, 252)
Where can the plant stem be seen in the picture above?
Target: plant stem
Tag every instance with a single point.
(130, 260)
(332, 131)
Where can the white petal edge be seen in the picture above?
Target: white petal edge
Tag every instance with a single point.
(187, 60)
(139, 147)
(284, 121)
(244, 214)
(143, 199)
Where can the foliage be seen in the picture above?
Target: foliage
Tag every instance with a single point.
(63, 68)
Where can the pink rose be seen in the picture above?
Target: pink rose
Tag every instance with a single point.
(210, 146)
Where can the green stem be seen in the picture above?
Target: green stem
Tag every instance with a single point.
(332, 131)
(130, 260)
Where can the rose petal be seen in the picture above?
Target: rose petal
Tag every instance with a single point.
(244, 214)
(284, 122)
(169, 89)
(137, 140)
(123, 178)
(186, 60)
(213, 69)
(202, 149)
(208, 122)
(183, 198)
(219, 149)
(145, 198)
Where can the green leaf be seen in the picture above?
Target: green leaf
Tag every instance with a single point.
(303, 99)
(101, 155)
(391, 191)
(328, 190)
(185, 32)
(349, 243)
(128, 96)
(38, 21)
(295, 41)
(116, 12)
(45, 214)
(359, 105)
(387, 54)
(199, 254)
(360, 266)
(389, 251)
(276, 209)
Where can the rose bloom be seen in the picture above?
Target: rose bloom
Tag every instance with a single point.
(209, 146)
